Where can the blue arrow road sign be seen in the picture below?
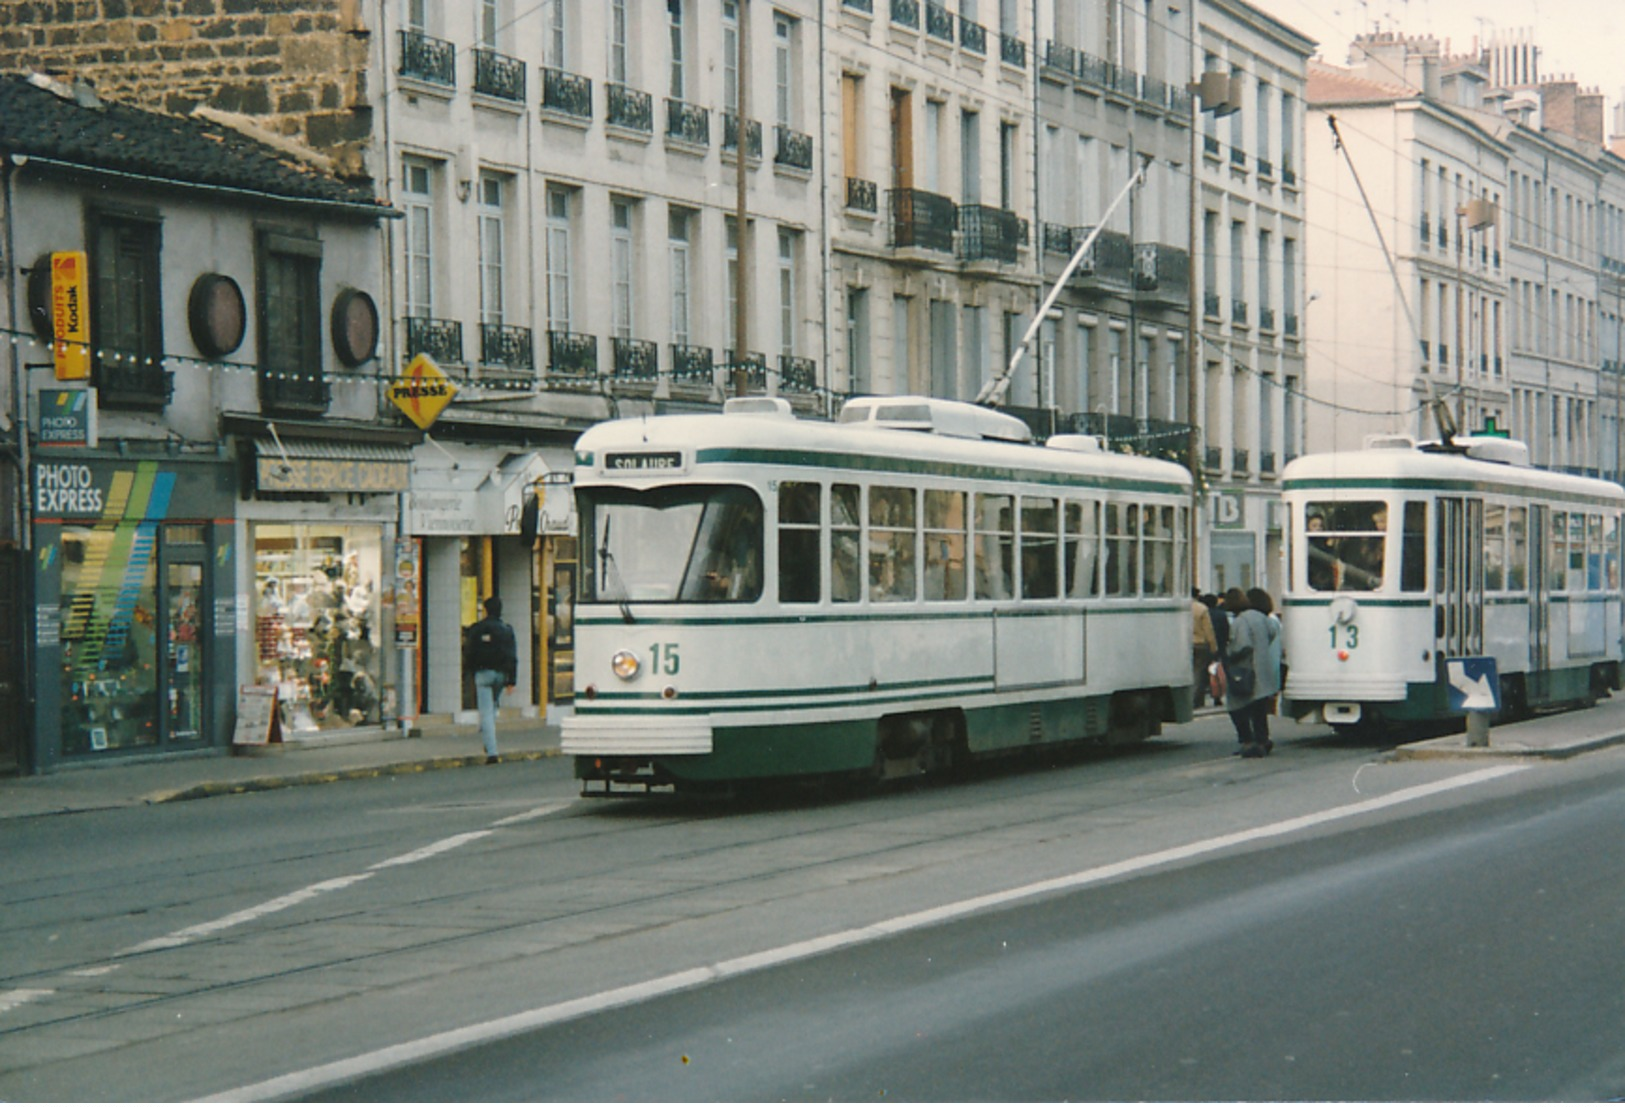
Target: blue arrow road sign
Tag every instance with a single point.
(1473, 684)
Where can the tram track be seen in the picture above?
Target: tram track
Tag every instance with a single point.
(1036, 791)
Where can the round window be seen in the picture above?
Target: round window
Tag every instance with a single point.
(217, 314)
(355, 327)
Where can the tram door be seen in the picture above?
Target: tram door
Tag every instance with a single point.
(1458, 582)
(1539, 642)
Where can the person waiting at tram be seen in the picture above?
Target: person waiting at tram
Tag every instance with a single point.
(1250, 685)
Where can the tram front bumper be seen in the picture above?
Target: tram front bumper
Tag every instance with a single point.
(620, 736)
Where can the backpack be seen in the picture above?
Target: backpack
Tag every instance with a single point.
(484, 646)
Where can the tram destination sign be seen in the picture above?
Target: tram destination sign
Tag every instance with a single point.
(659, 461)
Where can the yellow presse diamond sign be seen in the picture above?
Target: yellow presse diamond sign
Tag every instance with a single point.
(423, 391)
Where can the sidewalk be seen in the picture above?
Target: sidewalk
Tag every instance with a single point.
(337, 755)
(442, 744)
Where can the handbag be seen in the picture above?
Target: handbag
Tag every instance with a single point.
(1239, 673)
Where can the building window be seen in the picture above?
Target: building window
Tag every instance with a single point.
(618, 31)
(732, 265)
(555, 43)
(859, 372)
(1008, 156)
(674, 20)
(491, 23)
(784, 69)
(679, 249)
(290, 321)
(730, 56)
(621, 259)
(491, 244)
(417, 199)
(558, 258)
(787, 293)
(126, 323)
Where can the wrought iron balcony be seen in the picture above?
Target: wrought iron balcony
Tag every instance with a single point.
(630, 108)
(1266, 168)
(1163, 272)
(988, 234)
(1060, 57)
(1147, 437)
(1238, 157)
(687, 122)
(792, 148)
(1210, 145)
(567, 93)
(730, 134)
(499, 75)
(906, 13)
(131, 380)
(691, 363)
(753, 365)
(1012, 50)
(1110, 260)
(862, 195)
(1126, 81)
(441, 339)
(1096, 71)
(797, 374)
(635, 359)
(939, 21)
(303, 393)
(428, 59)
(1057, 238)
(508, 347)
(571, 355)
(922, 220)
(972, 36)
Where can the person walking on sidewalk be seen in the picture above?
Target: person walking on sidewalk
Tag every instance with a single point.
(489, 650)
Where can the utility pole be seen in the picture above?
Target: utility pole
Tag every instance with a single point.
(741, 378)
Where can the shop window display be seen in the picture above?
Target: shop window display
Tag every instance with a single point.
(109, 638)
(316, 622)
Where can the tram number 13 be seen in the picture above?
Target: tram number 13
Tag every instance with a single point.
(1350, 635)
(663, 658)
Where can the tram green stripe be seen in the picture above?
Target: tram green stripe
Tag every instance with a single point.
(1431, 484)
(616, 704)
(793, 617)
(907, 466)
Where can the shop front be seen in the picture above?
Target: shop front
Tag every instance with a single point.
(134, 606)
(321, 527)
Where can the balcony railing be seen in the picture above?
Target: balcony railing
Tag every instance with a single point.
(499, 75)
(862, 195)
(630, 108)
(305, 393)
(1148, 437)
(792, 148)
(428, 59)
(635, 359)
(690, 363)
(1012, 50)
(1109, 261)
(132, 380)
(988, 234)
(939, 21)
(441, 339)
(571, 355)
(1057, 238)
(921, 219)
(797, 374)
(567, 93)
(730, 134)
(1163, 270)
(1060, 57)
(687, 122)
(753, 365)
(508, 347)
(906, 13)
(972, 36)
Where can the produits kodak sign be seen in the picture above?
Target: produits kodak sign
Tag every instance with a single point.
(70, 314)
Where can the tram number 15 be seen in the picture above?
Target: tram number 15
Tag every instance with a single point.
(1350, 635)
(663, 658)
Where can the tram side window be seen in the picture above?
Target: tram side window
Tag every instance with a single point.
(1594, 550)
(1610, 554)
(995, 547)
(1495, 526)
(1182, 552)
(1159, 552)
(1122, 549)
(1039, 547)
(845, 526)
(1413, 546)
(1082, 549)
(800, 508)
(945, 522)
(1517, 548)
(1577, 552)
(892, 536)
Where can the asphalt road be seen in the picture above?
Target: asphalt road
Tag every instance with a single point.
(1469, 954)
(1168, 922)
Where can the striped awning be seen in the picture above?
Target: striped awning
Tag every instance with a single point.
(318, 465)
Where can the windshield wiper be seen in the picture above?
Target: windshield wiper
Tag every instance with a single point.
(606, 566)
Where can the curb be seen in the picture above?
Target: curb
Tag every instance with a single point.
(1447, 749)
(210, 789)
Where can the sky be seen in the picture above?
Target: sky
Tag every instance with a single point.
(1584, 39)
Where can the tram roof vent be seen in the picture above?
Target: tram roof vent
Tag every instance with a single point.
(1504, 450)
(1077, 443)
(1389, 442)
(950, 418)
(771, 406)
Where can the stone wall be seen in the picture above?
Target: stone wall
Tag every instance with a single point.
(296, 68)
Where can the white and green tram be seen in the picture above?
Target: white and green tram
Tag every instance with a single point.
(1402, 556)
(766, 597)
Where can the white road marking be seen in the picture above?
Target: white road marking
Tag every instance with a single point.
(533, 813)
(314, 1079)
(16, 997)
(433, 849)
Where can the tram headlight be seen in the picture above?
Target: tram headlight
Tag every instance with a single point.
(625, 664)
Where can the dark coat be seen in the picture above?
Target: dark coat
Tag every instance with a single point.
(489, 644)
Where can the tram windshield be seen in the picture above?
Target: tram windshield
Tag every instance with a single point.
(1345, 545)
(689, 544)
